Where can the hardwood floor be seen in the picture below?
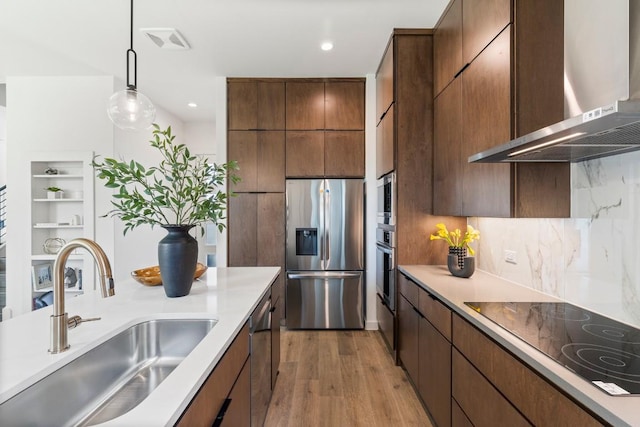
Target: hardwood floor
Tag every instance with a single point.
(341, 378)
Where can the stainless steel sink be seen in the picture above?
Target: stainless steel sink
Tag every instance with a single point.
(108, 380)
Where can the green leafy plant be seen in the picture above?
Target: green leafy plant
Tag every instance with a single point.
(53, 189)
(182, 189)
(455, 238)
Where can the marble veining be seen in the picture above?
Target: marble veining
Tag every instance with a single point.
(589, 259)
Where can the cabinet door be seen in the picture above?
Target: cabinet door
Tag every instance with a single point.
(242, 146)
(344, 105)
(243, 240)
(242, 105)
(482, 21)
(447, 47)
(344, 154)
(384, 82)
(253, 105)
(304, 154)
(482, 403)
(204, 407)
(239, 409)
(434, 382)
(386, 322)
(447, 162)
(304, 105)
(270, 230)
(385, 139)
(408, 320)
(260, 157)
(486, 113)
(277, 309)
(271, 105)
(270, 161)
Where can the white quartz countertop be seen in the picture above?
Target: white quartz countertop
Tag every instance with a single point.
(484, 287)
(228, 295)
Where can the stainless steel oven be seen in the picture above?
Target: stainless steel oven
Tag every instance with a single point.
(386, 265)
(387, 199)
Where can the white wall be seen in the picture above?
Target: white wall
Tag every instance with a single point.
(371, 203)
(45, 114)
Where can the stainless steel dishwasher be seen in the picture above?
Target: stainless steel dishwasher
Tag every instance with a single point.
(260, 333)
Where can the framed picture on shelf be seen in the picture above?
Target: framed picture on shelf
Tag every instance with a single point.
(42, 276)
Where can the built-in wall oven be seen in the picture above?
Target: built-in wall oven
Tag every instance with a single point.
(386, 266)
(386, 259)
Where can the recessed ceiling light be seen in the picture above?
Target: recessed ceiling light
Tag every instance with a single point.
(192, 104)
(326, 46)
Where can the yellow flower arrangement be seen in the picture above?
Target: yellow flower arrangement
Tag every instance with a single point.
(455, 239)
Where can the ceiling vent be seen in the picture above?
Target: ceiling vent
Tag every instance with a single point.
(166, 38)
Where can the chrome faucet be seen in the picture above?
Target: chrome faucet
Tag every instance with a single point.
(60, 319)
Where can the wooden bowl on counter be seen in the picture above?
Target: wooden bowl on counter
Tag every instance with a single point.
(150, 276)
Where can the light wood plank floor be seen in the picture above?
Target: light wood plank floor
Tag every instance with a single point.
(341, 378)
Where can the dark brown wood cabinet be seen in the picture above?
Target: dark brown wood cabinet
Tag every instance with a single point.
(385, 144)
(238, 413)
(510, 84)
(256, 231)
(344, 105)
(260, 156)
(386, 322)
(486, 107)
(304, 105)
(325, 128)
(205, 406)
(482, 21)
(424, 347)
(447, 46)
(384, 84)
(488, 380)
(255, 104)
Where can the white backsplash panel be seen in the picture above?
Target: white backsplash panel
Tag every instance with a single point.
(591, 259)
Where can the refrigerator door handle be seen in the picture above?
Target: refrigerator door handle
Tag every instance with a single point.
(325, 275)
(327, 224)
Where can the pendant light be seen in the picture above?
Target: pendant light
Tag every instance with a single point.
(129, 109)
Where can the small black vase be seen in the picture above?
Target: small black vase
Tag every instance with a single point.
(177, 257)
(468, 265)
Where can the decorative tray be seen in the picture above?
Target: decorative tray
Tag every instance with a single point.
(150, 276)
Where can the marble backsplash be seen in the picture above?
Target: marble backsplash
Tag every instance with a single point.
(591, 259)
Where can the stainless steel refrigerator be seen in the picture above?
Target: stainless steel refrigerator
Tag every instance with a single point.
(325, 254)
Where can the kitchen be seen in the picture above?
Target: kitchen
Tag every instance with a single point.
(583, 259)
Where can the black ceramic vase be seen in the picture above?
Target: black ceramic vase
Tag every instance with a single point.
(177, 257)
(460, 265)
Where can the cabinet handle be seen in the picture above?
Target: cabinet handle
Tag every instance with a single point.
(418, 311)
(382, 300)
(220, 417)
(273, 309)
(462, 69)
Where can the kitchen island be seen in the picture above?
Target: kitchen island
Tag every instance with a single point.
(453, 292)
(228, 295)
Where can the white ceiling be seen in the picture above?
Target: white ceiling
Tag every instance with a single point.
(234, 38)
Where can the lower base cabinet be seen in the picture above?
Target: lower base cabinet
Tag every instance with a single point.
(487, 380)
(238, 411)
(464, 378)
(386, 322)
(206, 406)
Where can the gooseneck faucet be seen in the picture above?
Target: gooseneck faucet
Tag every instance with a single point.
(59, 318)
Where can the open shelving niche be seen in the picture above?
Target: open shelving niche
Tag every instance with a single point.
(65, 218)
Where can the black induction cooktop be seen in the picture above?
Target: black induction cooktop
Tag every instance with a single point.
(603, 351)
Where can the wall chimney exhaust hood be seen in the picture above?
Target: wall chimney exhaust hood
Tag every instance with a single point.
(601, 89)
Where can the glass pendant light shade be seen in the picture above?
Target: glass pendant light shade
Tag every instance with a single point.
(130, 110)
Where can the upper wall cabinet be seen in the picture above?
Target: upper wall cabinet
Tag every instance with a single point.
(260, 156)
(325, 128)
(447, 46)
(482, 21)
(384, 84)
(316, 105)
(255, 105)
(512, 85)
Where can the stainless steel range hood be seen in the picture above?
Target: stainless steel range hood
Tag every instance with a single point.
(601, 89)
